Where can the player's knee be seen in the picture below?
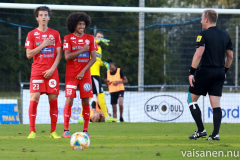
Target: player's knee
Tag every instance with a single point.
(35, 97)
(69, 100)
(85, 101)
(95, 117)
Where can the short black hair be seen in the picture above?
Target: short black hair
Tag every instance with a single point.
(110, 61)
(99, 32)
(42, 8)
(75, 17)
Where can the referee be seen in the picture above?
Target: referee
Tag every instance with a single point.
(208, 72)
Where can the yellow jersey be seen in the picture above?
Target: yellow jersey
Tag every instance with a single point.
(95, 68)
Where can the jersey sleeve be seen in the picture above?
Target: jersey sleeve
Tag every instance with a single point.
(200, 41)
(93, 45)
(67, 44)
(229, 45)
(122, 74)
(58, 40)
(29, 43)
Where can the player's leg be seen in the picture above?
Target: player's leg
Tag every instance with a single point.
(98, 90)
(197, 116)
(37, 86)
(114, 100)
(86, 113)
(53, 114)
(70, 94)
(217, 117)
(85, 88)
(215, 93)
(120, 103)
(32, 112)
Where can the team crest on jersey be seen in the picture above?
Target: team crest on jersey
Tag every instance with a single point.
(36, 33)
(87, 87)
(51, 36)
(72, 38)
(52, 83)
(199, 38)
(87, 41)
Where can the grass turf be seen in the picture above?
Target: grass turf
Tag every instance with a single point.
(117, 141)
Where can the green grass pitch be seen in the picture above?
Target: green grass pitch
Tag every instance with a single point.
(117, 141)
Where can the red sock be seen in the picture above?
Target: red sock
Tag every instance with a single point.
(53, 114)
(67, 116)
(86, 116)
(32, 113)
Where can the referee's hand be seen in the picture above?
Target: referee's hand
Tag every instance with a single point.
(191, 80)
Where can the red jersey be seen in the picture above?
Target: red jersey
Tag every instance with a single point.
(46, 57)
(74, 43)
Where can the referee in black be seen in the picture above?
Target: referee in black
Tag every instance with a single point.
(208, 72)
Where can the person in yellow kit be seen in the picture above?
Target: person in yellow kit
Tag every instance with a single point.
(115, 79)
(95, 74)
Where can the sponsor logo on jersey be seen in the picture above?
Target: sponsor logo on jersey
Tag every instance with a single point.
(51, 36)
(36, 33)
(87, 41)
(27, 43)
(44, 36)
(71, 86)
(87, 87)
(72, 38)
(48, 55)
(84, 54)
(74, 42)
(52, 83)
(47, 50)
(98, 55)
(73, 48)
(65, 45)
(38, 37)
(37, 81)
(83, 60)
(80, 40)
(199, 38)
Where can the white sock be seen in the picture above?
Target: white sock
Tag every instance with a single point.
(106, 118)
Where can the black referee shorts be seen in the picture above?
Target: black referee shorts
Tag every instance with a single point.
(208, 80)
(96, 85)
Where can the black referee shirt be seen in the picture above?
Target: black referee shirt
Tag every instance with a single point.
(216, 42)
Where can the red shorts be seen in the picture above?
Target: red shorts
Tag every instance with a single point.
(85, 87)
(42, 85)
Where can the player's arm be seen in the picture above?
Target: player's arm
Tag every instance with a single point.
(89, 64)
(32, 52)
(49, 72)
(195, 62)
(71, 55)
(229, 59)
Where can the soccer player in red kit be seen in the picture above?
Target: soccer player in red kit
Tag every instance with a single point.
(80, 52)
(43, 44)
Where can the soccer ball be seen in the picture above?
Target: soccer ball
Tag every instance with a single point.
(79, 141)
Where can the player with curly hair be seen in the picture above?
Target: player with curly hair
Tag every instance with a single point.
(80, 52)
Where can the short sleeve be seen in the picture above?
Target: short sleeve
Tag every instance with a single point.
(29, 43)
(229, 45)
(58, 40)
(121, 73)
(200, 41)
(93, 45)
(66, 43)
